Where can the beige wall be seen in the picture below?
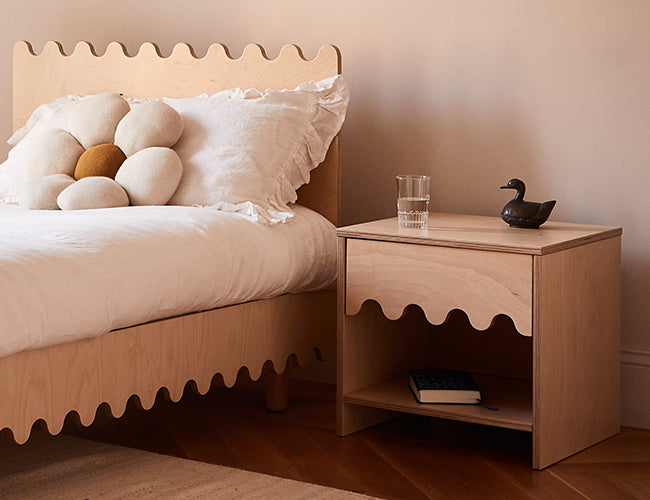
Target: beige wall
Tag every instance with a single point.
(472, 92)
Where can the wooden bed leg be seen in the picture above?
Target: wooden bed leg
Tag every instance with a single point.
(277, 390)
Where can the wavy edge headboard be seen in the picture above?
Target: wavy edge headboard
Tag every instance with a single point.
(41, 78)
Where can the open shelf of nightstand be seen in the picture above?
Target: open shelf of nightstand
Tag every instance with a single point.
(512, 397)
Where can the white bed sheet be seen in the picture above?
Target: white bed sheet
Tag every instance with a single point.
(67, 275)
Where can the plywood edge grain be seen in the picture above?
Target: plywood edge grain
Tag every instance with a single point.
(483, 233)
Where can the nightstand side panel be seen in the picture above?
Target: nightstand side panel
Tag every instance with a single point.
(576, 349)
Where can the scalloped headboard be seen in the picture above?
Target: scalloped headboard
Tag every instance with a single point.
(40, 78)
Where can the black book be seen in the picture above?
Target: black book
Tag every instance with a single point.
(444, 386)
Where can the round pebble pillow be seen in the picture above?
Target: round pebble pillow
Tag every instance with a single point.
(150, 176)
(51, 151)
(41, 193)
(148, 125)
(93, 192)
(102, 160)
(94, 119)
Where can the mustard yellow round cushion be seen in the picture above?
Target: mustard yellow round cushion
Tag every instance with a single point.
(102, 160)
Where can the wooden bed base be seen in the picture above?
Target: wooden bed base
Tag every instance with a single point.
(78, 376)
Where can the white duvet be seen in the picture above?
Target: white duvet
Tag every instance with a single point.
(67, 275)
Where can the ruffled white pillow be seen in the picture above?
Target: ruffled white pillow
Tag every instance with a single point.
(248, 151)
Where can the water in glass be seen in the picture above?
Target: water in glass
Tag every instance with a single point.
(413, 212)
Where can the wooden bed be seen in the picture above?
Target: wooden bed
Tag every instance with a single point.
(78, 376)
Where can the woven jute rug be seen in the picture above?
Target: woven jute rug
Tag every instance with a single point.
(67, 467)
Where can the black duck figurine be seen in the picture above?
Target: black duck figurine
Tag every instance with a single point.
(520, 213)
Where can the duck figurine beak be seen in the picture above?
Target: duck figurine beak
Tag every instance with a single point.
(515, 184)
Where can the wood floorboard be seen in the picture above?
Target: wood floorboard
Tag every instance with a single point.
(182, 422)
(454, 460)
(247, 444)
(607, 480)
(367, 469)
(410, 457)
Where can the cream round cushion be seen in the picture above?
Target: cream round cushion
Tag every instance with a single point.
(148, 125)
(94, 119)
(52, 151)
(41, 193)
(150, 176)
(93, 192)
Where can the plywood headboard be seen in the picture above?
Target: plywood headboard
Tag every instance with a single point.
(41, 78)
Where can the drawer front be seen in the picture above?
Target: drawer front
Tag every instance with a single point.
(439, 279)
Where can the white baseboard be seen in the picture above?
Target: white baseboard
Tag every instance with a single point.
(635, 388)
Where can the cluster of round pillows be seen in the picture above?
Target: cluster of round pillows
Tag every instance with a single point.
(110, 155)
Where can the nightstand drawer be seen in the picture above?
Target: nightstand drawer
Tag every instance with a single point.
(439, 279)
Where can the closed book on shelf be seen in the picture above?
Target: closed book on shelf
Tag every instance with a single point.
(444, 386)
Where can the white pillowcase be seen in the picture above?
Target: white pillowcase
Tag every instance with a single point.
(248, 151)
(243, 151)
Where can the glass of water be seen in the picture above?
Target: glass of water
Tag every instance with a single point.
(413, 201)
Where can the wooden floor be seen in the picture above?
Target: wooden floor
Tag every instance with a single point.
(411, 457)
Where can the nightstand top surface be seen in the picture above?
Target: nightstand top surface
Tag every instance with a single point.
(485, 233)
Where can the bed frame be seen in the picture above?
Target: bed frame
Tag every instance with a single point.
(78, 376)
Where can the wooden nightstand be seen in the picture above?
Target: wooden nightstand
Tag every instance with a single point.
(557, 375)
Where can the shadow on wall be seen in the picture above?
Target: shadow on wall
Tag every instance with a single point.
(467, 155)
